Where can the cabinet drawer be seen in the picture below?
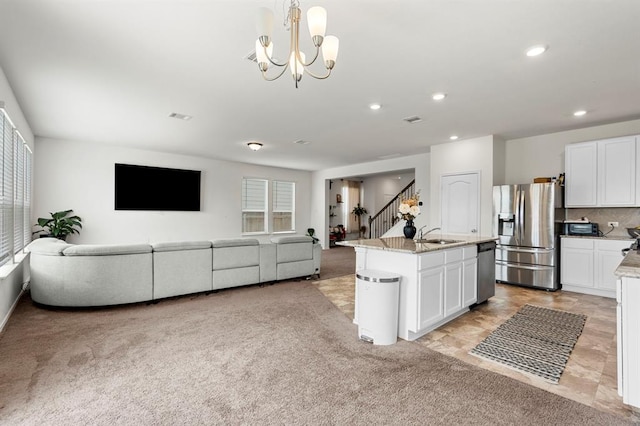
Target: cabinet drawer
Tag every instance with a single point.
(579, 243)
(453, 255)
(470, 252)
(431, 260)
(613, 245)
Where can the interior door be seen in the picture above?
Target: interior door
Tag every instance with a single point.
(460, 203)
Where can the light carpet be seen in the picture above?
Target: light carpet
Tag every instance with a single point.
(279, 354)
(535, 340)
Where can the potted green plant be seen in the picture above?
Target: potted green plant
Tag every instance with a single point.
(59, 225)
(359, 212)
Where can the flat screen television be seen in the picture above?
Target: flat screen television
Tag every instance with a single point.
(156, 188)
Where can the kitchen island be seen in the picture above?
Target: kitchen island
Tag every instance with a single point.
(628, 331)
(438, 277)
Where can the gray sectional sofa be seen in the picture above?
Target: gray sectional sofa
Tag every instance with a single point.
(85, 275)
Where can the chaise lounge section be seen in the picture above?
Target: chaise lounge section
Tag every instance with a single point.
(84, 275)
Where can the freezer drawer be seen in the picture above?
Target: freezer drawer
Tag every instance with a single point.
(529, 255)
(539, 276)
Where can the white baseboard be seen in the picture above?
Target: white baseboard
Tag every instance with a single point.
(5, 320)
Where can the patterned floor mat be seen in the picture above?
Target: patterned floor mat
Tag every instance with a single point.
(535, 340)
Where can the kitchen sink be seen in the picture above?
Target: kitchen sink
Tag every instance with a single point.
(438, 241)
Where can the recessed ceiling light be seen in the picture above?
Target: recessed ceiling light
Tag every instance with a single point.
(375, 106)
(579, 113)
(180, 116)
(438, 96)
(453, 137)
(254, 146)
(536, 50)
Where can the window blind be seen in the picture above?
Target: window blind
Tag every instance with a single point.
(283, 206)
(254, 205)
(15, 190)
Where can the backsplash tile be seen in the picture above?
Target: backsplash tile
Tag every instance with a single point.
(627, 217)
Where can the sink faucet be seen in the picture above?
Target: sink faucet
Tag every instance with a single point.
(420, 231)
(430, 230)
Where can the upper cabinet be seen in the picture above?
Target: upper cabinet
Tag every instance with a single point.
(602, 173)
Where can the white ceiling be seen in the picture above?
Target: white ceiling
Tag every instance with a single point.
(111, 71)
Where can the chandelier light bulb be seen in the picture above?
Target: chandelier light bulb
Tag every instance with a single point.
(264, 22)
(317, 20)
(296, 67)
(330, 51)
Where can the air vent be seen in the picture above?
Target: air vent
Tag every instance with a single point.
(180, 116)
(251, 56)
(301, 142)
(413, 119)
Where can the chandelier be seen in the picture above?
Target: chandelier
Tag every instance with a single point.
(317, 20)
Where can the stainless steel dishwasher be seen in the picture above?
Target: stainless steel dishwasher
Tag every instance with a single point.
(486, 271)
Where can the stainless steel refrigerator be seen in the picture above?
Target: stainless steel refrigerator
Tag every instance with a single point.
(527, 221)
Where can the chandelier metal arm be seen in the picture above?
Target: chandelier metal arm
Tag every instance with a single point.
(277, 76)
(318, 77)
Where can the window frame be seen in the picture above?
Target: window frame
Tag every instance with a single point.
(292, 210)
(244, 210)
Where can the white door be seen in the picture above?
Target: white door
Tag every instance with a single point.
(460, 211)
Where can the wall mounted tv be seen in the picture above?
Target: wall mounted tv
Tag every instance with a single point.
(156, 188)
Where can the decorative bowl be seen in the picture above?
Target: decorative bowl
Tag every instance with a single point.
(633, 232)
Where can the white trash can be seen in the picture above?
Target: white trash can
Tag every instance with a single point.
(378, 299)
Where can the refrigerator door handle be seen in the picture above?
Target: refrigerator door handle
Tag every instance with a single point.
(524, 266)
(521, 215)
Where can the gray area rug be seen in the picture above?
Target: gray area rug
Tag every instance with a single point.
(273, 355)
(535, 340)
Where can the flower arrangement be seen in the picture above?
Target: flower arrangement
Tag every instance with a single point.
(409, 208)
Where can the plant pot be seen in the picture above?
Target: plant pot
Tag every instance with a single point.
(409, 230)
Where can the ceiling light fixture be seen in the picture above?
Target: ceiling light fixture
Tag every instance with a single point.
(254, 146)
(579, 113)
(438, 96)
(536, 50)
(375, 106)
(453, 137)
(317, 19)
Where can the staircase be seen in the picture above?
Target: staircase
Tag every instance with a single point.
(382, 221)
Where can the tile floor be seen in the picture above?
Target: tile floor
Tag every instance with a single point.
(590, 374)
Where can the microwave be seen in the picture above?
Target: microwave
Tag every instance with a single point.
(584, 229)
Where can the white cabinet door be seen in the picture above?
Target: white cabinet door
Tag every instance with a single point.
(469, 282)
(617, 172)
(430, 297)
(453, 288)
(576, 258)
(460, 207)
(608, 256)
(581, 174)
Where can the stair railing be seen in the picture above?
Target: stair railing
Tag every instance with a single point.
(382, 221)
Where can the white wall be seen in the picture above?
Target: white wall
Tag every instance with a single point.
(376, 189)
(80, 176)
(543, 155)
(471, 155)
(321, 194)
(12, 276)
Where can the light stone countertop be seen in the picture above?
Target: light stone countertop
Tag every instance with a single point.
(611, 237)
(406, 245)
(630, 265)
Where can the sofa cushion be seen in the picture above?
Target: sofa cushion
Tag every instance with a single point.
(227, 257)
(47, 246)
(291, 239)
(237, 242)
(181, 245)
(106, 249)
